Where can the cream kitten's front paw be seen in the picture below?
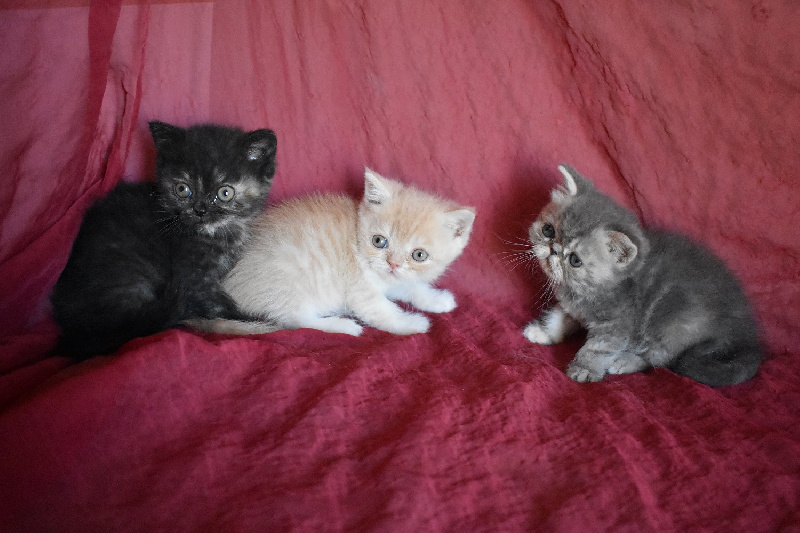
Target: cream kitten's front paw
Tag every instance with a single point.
(410, 323)
(333, 324)
(437, 301)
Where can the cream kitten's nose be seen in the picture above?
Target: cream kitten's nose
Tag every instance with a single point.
(394, 262)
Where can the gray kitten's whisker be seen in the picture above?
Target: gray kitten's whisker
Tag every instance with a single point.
(647, 298)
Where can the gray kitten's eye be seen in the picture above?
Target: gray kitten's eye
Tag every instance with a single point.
(419, 255)
(182, 190)
(548, 231)
(574, 261)
(379, 241)
(226, 193)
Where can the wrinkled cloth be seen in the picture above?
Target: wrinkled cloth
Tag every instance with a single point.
(685, 112)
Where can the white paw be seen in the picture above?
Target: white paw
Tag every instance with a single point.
(411, 323)
(352, 328)
(438, 302)
(582, 374)
(334, 324)
(536, 334)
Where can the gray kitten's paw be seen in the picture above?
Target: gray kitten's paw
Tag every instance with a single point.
(536, 334)
(626, 364)
(582, 374)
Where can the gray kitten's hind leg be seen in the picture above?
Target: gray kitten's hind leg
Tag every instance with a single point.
(603, 355)
(552, 327)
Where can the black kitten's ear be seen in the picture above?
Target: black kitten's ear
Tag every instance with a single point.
(167, 138)
(260, 145)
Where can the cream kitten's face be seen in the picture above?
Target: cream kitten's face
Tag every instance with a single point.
(406, 235)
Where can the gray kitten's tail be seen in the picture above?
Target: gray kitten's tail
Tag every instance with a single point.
(717, 367)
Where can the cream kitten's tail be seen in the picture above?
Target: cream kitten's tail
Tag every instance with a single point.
(231, 327)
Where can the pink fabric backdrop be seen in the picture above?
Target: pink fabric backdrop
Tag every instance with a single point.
(686, 112)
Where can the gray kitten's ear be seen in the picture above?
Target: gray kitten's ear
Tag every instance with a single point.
(620, 247)
(376, 193)
(460, 221)
(571, 178)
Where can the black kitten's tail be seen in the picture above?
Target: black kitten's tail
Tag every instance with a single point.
(82, 347)
(715, 366)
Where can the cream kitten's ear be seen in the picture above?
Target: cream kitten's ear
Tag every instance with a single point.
(460, 221)
(376, 193)
(620, 247)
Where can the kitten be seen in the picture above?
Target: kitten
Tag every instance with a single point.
(647, 298)
(151, 255)
(315, 262)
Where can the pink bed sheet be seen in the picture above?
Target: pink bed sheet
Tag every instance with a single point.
(684, 111)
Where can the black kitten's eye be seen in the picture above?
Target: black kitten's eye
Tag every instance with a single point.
(182, 190)
(548, 231)
(226, 193)
(575, 261)
(379, 241)
(419, 255)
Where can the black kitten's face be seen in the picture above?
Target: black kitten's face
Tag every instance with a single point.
(213, 178)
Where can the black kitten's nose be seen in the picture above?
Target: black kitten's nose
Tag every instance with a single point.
(200, 208)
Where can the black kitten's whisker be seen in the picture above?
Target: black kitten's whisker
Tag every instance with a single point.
(139, 264)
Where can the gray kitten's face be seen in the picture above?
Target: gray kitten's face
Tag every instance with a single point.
(573, 242)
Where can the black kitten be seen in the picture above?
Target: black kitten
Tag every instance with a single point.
(151, 255)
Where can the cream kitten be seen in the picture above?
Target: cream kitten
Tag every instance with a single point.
(316, 262)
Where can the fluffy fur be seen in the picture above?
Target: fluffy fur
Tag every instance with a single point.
(647, 298)
(151, 255)
(322, 261)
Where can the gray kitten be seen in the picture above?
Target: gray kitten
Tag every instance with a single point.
(647, 298)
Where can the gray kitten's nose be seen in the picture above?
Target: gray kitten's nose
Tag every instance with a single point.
(200, 208)
(555, 248)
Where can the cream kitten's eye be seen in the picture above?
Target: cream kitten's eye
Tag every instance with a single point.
(379, 241)
(182, 190)
(575, 261)
(548, 231)
(419, 255)
(226, 193)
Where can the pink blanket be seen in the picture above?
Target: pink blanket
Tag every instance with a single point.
(684, 111)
